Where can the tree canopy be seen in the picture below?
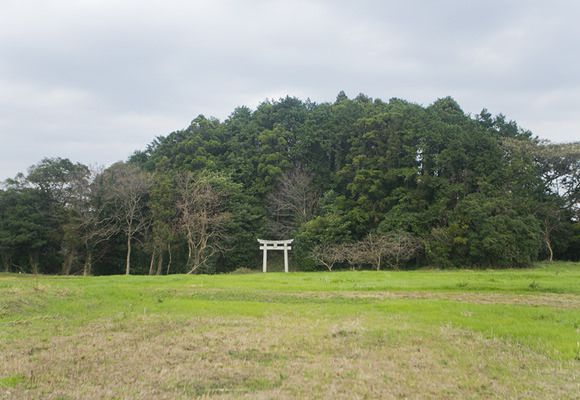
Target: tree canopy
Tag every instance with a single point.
(464, 190)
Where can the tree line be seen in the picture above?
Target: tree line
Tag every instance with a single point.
(359, 183)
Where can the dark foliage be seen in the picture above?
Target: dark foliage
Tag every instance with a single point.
(470, 191)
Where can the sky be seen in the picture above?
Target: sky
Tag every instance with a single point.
(95, 80)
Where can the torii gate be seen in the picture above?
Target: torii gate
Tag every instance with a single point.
(266, 245)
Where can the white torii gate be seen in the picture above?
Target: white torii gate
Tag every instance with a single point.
(266, 245)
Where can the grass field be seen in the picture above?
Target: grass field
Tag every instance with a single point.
(420, 334)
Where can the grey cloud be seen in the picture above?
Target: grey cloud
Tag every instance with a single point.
(95, 80)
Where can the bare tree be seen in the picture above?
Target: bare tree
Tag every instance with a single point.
(164, 215)
(90, 226)
(328, 254)
(202, 217)
(127, 188)
(551, 218)
(293, 203)
(375, 247)
(392, 248)
(399, 247)
(353, 254)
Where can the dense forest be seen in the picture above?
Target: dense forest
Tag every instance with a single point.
(358, 183)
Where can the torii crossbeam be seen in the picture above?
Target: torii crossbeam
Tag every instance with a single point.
(266, 245)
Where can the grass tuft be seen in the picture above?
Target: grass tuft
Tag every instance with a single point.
(12, 381)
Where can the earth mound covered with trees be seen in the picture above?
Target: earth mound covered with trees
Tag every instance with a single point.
(359, 183)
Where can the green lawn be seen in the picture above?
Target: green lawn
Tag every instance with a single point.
(404, 334)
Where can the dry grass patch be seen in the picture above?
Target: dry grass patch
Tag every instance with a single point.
(556, 300)
(278, 357)
(570, 301)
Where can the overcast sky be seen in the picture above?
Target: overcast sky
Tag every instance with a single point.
(95, 80)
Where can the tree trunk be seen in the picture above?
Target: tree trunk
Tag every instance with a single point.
(548, 241)
(152, 263)
(169, 263)
(128, 261)
(160, 264)
(550, 251)
(68, 262)
(88, 264)
(199, 256)
(6, 262)
(33, 263)
(189, 255)
(193, 261)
